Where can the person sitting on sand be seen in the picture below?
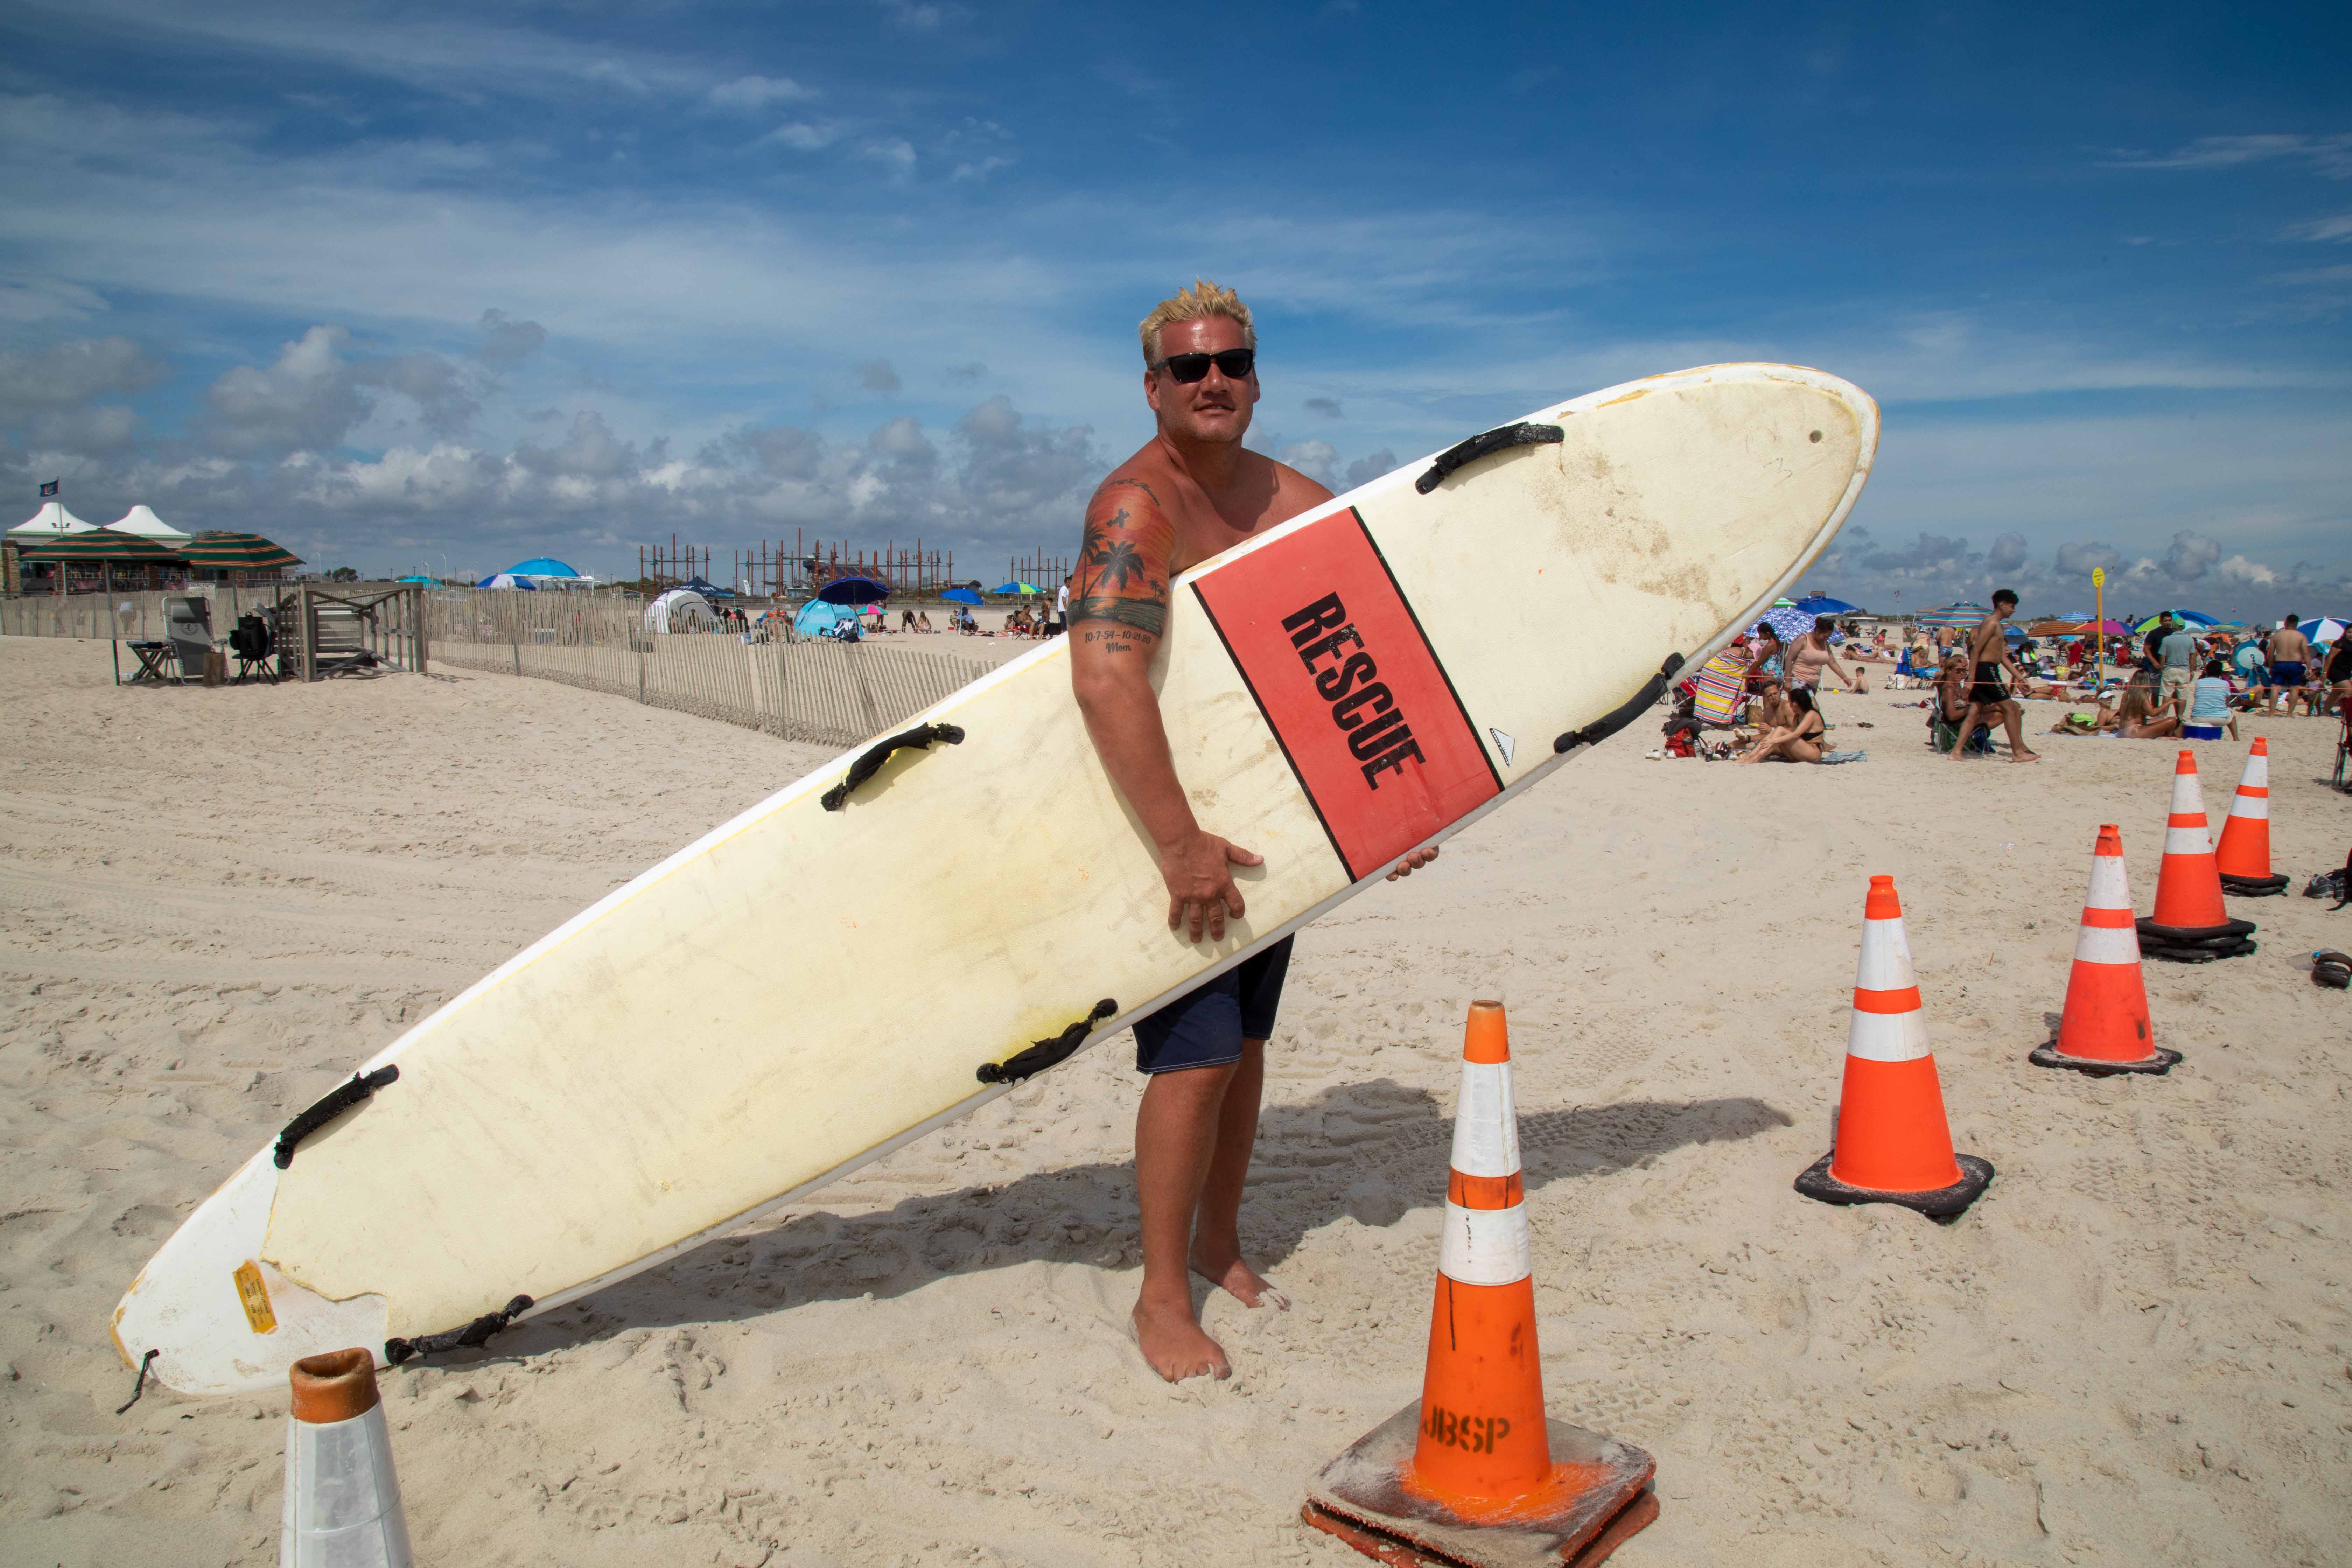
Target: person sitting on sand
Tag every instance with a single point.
(923, 621)
(1797, 741)
(1988, 697)
(2208, 704)
(2138, 720)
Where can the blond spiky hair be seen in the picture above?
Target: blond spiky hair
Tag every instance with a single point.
(1198, 302)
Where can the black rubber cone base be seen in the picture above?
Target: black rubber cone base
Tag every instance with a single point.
(2252, 887)
(1939, 1204)
(2050, 1056)
(1360, 1497)
(2198, 944)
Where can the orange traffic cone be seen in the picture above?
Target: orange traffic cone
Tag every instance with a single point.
(1891, 1142)
(2190, 925)
(1474, 1472)
(343, 1499)
(2105, 1027)
(2243, 856)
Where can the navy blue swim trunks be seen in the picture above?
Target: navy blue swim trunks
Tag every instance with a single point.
(1206, 1025)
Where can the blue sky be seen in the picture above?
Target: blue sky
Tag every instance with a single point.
(444, 287)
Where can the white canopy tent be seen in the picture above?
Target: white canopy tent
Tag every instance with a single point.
(52, 521)
(678, 610)
(142, 521)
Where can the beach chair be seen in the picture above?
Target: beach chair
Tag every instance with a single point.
(253, 643)
(1721, 691)
(188, 627)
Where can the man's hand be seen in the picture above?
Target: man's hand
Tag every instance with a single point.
(1413, 862)
(1200, 890)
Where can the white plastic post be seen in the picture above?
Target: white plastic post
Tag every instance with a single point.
(342, 1498)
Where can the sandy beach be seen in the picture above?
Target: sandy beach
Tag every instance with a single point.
(2135, 1349)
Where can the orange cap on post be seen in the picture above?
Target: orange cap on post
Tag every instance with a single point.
(334, 1386)
(1487, 1037)
(1881, 903)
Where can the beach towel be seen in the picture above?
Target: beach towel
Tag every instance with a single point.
(1829, 757)
(1722, 689)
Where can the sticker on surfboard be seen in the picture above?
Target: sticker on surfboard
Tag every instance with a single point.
(253, 1294)
(1362, 708)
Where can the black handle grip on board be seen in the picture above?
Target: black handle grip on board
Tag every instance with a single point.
(1486, 445)
(1043, 1054)
(1617, 717)
(920, 738)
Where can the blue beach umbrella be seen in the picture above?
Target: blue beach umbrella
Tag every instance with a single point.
(963, 597)
(854, 591)
(1015, 588)
(1822, 605)
(1788, 621)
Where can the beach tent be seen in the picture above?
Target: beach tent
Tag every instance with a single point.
(1822, 605)
(509, 580)
(50, 522)
(818, 619)
(678, 610)
(539, 566)
(140, 520)
(708, 590)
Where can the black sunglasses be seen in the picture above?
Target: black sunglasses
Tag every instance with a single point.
(1236, 363)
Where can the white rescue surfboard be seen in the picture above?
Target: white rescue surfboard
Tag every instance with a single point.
(1353, 685)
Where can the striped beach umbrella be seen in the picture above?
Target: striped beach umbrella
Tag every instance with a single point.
(1959, 615)
(221, 550)
(100, 544)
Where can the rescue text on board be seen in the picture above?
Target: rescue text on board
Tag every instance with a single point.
(1379, 736)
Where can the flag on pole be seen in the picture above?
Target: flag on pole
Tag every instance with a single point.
(48, 490)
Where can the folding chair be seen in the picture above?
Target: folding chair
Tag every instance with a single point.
(252, 645)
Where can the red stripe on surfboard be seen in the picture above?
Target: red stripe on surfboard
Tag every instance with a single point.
(1350, 666)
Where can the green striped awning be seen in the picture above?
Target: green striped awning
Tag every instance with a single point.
(100, 544)
(221, 550)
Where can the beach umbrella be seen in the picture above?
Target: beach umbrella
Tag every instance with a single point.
(1015, 588)
(2056, 629)
(1960, 616)
(1822, 605)
(2106, 629)
(509, 580)
(1788, 621)
(426, 581)
(100, 544)
(2191, 617)
(2321, 628)
(542, 566)
(220, 549)
(854, 591)
(962, 596)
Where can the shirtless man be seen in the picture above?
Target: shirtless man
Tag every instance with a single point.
(1988, 698)
(1192, 492)
(2289, 650)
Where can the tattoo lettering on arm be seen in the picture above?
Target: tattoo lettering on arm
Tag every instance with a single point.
(1122, 578)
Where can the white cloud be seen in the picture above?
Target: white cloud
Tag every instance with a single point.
(748, 94)
(1317, 459)
(2330, 156)
(895, 152)
(807, 137)
(2338, 228)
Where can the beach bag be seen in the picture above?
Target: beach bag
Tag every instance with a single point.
(1682, 736)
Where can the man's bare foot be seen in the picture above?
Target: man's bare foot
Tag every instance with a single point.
(2027, 757)
(1174, 1346)
(1238, 1280)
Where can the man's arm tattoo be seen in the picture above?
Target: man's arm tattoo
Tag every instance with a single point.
(1144, 615)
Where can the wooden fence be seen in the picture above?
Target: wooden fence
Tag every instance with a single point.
(132, 616)
(815, 690)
